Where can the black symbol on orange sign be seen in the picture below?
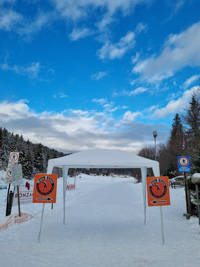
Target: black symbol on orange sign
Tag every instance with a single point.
(45, 186)
(158, 188)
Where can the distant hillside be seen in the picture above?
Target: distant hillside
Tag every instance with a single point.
(33, 157)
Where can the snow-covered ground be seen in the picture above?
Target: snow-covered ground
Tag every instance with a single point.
(104, 228)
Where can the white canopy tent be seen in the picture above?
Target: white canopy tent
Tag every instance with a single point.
(103, 158)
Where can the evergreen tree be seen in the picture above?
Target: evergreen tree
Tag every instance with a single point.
(38, 158)
(25, 160)
(192, 123)
(13, 143)
(4, 151)
(1, 138)
(31, 155)
(175, 144)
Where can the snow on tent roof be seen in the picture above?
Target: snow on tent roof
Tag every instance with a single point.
(103, 158)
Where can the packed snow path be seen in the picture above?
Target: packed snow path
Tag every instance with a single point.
(104, 227)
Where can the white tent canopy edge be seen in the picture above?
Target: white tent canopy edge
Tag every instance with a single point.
(103, 158)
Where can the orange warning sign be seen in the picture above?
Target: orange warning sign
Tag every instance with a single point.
(45, 187)
(158, 191)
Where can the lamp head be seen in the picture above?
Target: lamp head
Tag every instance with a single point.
(155, 134)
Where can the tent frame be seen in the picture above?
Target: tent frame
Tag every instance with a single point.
(108, 159)
(65, 175)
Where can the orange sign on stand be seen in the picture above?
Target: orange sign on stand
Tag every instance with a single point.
(158, 191)
(45, 187)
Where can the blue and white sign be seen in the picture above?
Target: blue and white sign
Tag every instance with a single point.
(184, 164)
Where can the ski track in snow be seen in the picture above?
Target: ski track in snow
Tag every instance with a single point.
(104, 227)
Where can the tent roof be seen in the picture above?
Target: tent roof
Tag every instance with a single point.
(103, 158)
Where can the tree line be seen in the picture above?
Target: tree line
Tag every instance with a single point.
(32, 157)
(184, 140)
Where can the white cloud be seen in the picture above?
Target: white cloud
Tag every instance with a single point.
(9, 19)
(32, 70)
(103, 24)
(79, 112)
(75, 129)
(175, 106)
(112, 51)
(14, 111)
(101, 101)
(191, 80)
(149, 110)
(34, 26)
(70, 10)
(60, 95)
(135, 58)
(130, 116)
(139, 90)
(179, 51)
(77, 34)
(99, 75)
(78, 9)
(175, 7)
(140, 27)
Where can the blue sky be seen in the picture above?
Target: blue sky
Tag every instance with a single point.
(80, 74)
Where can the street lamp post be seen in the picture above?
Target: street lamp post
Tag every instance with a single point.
(155, 134)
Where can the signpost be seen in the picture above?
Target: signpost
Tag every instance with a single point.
(13, 159)
(44, 191)
(184, 166)
(158, 195)
(17, 180)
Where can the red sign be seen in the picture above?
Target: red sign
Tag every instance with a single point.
(45, 186)
(184, 161)
(14, 157)
(158, 191)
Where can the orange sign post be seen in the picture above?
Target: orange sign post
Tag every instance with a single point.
(158, 195)
(45, 187)
(158, 191)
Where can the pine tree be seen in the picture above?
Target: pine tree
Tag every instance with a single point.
(31, 155)
(175, 143)
(192, 122)
(4, 150)
(38, 158)
(25, 160)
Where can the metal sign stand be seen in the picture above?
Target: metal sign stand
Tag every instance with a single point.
(41, 223)
(162, 228)
(18, 201)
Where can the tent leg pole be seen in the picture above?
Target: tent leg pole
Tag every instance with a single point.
(144, 177)
(65, 173)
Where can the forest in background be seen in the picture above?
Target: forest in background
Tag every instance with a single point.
(32, 157)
